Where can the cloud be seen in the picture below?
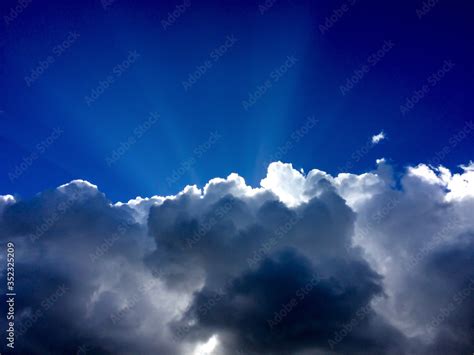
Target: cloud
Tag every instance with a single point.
(378, 137)
(305, 263)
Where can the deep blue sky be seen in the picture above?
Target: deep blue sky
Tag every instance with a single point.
(166, 57)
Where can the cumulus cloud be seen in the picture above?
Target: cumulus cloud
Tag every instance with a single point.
(378, 137)
(304, 264)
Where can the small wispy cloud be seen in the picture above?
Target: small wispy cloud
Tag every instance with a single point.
(378, 137)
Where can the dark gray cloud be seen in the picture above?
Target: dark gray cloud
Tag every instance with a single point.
(287, 304)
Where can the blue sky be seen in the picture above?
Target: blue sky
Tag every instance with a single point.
(80, 79)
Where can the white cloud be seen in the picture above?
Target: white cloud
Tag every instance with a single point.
(378, 137)
(6, 200)
(286, 182)
(457, 186)
(208, 347)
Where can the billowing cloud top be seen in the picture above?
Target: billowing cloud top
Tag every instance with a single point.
(304, 264)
